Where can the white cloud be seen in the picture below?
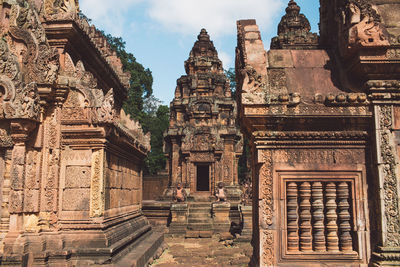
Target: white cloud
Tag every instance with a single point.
(110, 14)
(217, 16)
(226, 59)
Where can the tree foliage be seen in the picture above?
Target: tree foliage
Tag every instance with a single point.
(244, 160)
(230, 74)
(142, 105)
(141, 82)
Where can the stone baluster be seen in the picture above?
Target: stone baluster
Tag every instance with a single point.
(318, 217)
(292, 218)
(344, 218)
(331, 218)
(305, 217)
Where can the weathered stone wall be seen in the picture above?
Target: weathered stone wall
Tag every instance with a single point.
(124, 186)
(154, 186)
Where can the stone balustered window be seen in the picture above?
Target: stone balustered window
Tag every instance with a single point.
(323, 217)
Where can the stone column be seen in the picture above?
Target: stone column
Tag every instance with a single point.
(175, 162)
(388, 253)
(20, 130)
(184, 173)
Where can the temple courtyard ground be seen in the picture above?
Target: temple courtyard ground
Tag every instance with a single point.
(186, 252)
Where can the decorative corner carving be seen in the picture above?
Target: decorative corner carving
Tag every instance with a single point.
(61, 9)
(106, 113)
(362, 25)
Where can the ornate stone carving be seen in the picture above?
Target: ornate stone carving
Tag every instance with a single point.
(97, 184)
(266, 194)
(61, 9)
(390, 187)
(106, 113)
(294, 30)
(202, 120)
(363, 24)
(268, 248)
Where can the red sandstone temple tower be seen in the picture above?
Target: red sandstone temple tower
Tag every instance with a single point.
(203, 142)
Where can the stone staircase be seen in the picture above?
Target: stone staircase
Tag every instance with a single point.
(200, 223)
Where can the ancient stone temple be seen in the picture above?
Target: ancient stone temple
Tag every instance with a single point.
(322, 113)
(70, 159)
(203, 143)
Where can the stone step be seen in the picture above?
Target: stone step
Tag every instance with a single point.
(150, 244)
(200, 220)
(197, 234)
(199, 215)
(199, 211)
(199, 226)
(199, 204)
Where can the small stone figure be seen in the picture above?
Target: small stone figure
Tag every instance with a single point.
(221, 192)
(179, 193)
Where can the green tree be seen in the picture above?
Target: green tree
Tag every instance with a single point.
(141, 81)
(157, 125)
(243, 169)
(230, 74)
(142, 105)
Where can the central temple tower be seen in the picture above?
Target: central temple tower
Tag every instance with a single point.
(203, 142)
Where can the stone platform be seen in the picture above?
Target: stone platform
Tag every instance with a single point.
(203, 252)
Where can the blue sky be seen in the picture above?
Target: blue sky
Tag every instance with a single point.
(161, 33)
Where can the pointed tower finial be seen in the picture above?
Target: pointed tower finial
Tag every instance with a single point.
(294, 31)
(204, 56)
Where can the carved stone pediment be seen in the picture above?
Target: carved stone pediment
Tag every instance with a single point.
(26, 60)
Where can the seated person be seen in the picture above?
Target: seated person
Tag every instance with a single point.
(221, 192)
(179, 193)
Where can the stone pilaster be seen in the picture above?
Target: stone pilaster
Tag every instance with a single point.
(97, 184)
(388, 253)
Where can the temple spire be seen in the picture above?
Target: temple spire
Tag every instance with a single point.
(294, 30)
(203, 56)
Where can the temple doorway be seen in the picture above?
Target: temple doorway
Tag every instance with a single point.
(203, 178)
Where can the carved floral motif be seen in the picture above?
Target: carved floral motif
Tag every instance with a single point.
(390, 187)
(266, 194)
(96, 187)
